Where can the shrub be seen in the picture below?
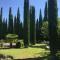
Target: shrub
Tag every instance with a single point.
(18, 45)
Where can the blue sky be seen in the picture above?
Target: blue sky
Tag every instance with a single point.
(20, 3)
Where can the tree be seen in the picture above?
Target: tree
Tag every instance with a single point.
(10, 23)
(37, 31)
(18, 23)
(46, 12)
(4, 28)
(15, 22)
(21, 30)
(52, 23)
(44, 30)
(26, 22)
(32, 25)
(1, 23)
(40, 25)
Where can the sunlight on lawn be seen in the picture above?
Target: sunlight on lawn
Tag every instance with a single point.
(25, 53)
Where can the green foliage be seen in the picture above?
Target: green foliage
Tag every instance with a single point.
(52, 24)
(37, 30)
(58, 30)
(10, 23)
(4, 25)
(1, 24)
(40, 21)
(32, 25)
(11, 36)
(44, 30)
(15, 25)
(10, 44)
(26, 22)
(18, 45)
(21, 30)
(18, 23)
(46, 12)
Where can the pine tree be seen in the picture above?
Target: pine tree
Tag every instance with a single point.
(1, 23)
(26, 20)
(52, 19)
(32, 25)
(10, 23)
(46, 12)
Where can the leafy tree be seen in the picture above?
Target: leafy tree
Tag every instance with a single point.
(44, 30)
(32, 25)
(10, 23)
(46, 12)
(52, 21)
(26, 22)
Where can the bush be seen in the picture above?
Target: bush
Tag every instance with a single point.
(18, 45)
(10, 45)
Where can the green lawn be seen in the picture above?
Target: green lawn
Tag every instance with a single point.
(31, 52)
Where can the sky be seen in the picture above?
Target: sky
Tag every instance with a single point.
(39, 4)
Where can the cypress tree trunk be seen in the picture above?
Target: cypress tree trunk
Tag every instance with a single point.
(52, 19)
(26, 20)
(32, 25)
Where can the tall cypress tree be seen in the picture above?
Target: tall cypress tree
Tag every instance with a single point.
(18, 23)
(40, 24)
(15, 25)
(46, 12)
(21, 31)
(4, 28)
(26, 20)
(10, 24)
(37, 31)
(32, 25)
(1, 23)
(52, 19)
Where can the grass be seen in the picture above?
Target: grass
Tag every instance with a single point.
(31, 52)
